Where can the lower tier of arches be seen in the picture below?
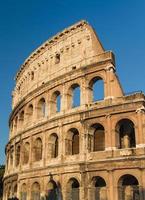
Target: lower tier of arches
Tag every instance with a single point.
(121, 184)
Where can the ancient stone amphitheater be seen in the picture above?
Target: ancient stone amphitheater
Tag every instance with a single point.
(74, 134)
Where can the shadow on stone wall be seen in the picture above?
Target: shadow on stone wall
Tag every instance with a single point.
(2, 170)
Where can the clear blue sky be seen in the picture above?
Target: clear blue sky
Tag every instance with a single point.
(25, 24)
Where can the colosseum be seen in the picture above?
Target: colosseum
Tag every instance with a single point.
(74, 134)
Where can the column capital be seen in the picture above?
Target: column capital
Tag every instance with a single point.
(141, 110)
(110, 67)
(140, 146)
(108, 116)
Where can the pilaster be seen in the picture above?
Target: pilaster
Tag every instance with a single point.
(139, 136)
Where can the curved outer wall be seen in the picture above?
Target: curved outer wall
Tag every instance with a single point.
(72, 58)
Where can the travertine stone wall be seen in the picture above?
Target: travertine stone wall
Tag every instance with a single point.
(84, 152)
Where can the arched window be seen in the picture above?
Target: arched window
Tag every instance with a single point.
(18, 151)
(38, 149)
(26, 151)
(72, 142)
(11, 127)
(41, 108)
(128, 188)
(7, 160)
(23, 194)
(96, 87)
(11, 156)
(125, 133)
(75, 143)
(35, 191)
(100, 192)
(73, 189)
(29, 113)
(32, 75)
(74, 96)
(98, 137)
(53, 146)
(21, 120)
(57, 58)
(53, 191)
(56, 102)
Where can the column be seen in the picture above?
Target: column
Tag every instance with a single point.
(140, 141)
(18, 189)
(29, 190)
(91, 192)
(142, 183)
(20, 156)
(110, 69)
(14, 158)
(108, 135)
(84, 93)
(81, 193)
(84, 139)
(111, 190)
(31, 152)
(64, 99)
(61, 142)
(35, 111)
(44, 153)
(64, 194)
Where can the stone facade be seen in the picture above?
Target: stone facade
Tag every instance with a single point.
(66, 143)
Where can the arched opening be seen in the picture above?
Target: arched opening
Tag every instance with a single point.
(73, 189)
(74, 96)
(100, 189)
(18, 151)
(23, 193)
(11, 127)
(21, 120)
(38, 149)
(29, 113)
(128, 187)
(7, 160)
(11, 156)
(35, 191)
(53, 191)
(53, 146)
(57, 58)
(55, 102)
(26, 151)
(75, 143)
(72, 142)
(58, 103)
(125, 134)
(41, 108)
(96, 88)
(32, 75)
(98, 137)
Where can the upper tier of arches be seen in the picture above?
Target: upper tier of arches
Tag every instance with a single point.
(61, 54)
(44, 107)
(73, 91)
